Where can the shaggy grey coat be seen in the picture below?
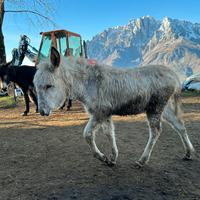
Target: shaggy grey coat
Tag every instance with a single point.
(107, 91)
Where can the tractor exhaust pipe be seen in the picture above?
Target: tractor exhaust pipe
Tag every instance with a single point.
(85, 49)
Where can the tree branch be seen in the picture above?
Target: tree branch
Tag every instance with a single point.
(32, 12)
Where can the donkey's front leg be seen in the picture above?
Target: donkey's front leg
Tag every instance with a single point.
(89, 134)
(109, 130)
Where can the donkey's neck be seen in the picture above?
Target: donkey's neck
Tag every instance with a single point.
(74, 75)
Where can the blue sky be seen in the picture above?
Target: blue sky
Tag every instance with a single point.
(89, 17)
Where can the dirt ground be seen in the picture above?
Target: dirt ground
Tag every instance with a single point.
(46, 158)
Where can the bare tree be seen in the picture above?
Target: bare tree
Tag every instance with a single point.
(32, 9)
(2, 46)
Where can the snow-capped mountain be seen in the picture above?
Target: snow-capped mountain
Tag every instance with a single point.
(142, 41)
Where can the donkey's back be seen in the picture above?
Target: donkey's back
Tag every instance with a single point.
(22, 75)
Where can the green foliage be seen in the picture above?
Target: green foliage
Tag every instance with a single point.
(7, 102)
(190, 94)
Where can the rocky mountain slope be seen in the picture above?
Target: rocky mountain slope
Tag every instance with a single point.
(142, 41)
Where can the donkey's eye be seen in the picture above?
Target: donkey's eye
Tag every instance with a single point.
(48, 86)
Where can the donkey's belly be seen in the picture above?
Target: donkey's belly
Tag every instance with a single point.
(135, 106)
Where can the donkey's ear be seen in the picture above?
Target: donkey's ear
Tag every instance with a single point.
(54, 57)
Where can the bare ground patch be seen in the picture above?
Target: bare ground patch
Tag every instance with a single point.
(47, 158)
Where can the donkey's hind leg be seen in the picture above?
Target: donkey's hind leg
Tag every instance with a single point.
(26, 98)
(89, 134)
(154, 121)
(175, 120)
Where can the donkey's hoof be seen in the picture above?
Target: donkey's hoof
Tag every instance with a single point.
(138, 165)
(25, 114)
(187, 158)
(108, 162)
(112, 158)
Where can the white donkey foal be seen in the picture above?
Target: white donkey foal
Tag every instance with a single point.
(107, 91)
